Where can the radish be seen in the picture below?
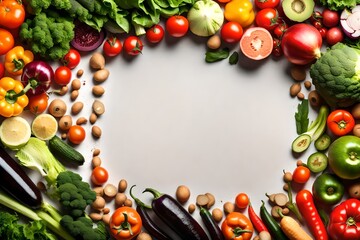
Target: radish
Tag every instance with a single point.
(349, 21)
(301, 43)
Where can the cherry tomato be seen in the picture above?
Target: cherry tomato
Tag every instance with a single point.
(317, 24)
(99, 175)
(301, 174)
(242, 200)
(133, 45)
(12, 14)
(38, 103)
(71, 59)
(266, 3)
(231, 32)
(76, 134)
(316, 16)
(177, 26)
(280, 29)
(340, 122)
(155, 34)
(323, 32)
(330, 18)
(2, 70)
(334, 35)
(6, 41)
(62, 75)
(112, 47)
(267, 18)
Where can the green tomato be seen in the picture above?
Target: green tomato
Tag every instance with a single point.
(344, 157)
(328, 189)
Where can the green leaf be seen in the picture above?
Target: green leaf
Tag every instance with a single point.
(302, 117)
(234, 58)
(219, 55)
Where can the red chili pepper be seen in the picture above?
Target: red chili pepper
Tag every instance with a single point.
(345, 220)
(305, 203)
(256, 220)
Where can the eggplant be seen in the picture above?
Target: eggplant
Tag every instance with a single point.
(176, 217)
(150, 226)
(17, 183)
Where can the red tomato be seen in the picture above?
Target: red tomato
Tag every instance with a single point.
(38, 103)
(266, 3)
(112, 47)
(6, 41)
(223, 1)
(2, 70)
(334, 35)
(242, 200)
(323, 32)
(301, 174)
(280, 29)
(76, 134)
(12, 14)
(133, 45)
(330, 18)
(340, 122)
(177, 25)
(267, 18)
(62, 75)
(71, 59)
(99, 175)
(231, 32)
(155, 34)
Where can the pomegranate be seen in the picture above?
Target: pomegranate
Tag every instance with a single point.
(301, 43)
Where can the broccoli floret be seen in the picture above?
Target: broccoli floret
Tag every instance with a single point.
(75, 195)
(82, 228)
(336, 75)
(48, 34)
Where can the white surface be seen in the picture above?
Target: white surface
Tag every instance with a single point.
(173, 119)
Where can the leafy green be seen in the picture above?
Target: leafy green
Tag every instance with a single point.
(234, 58)
(336, 75)
(302, 116)
(11, 228)
(215, 56)
(338, 5)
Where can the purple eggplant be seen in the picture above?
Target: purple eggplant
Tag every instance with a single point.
(151, 227)
(176, 217)
(17, 183)
(37, 77)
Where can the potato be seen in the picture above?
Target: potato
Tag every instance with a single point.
(182, 194)
(355, 111)
(354, 190)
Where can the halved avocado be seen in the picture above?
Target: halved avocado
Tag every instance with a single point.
(298, 10)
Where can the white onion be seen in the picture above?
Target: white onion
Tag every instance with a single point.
(350, 22)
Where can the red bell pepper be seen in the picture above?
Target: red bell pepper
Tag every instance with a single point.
(344, 222)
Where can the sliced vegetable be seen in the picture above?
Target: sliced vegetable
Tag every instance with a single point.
(205, 18)
(349, 22)
(315, 130)
(86, 38)
(323, 142)
(317, 162)
(44, 126)
(256, 43)
(15, 132)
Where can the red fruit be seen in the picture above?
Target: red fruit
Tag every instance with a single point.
(301, 43)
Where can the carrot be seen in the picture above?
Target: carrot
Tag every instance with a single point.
(292, 228)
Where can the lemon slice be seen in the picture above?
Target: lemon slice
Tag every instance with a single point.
(44, 126)
(15, 132)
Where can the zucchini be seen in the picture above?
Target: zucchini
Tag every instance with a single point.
(64, 151)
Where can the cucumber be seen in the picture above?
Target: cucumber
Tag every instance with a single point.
(323, 142)
(301, 143)
(317, 162)
(64, 151)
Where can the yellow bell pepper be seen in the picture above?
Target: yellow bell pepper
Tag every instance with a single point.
(13, 99)
(240, 11)
(16, 59)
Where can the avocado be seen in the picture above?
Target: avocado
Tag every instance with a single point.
(298, 10)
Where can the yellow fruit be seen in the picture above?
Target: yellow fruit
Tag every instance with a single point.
(44, 126)
(15, 132)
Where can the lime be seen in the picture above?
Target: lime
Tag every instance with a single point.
(44, 126)
(15, 132)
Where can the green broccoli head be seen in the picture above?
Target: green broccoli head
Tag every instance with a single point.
(82, 228)
(75, 195)
(48, 34)
(336, 75)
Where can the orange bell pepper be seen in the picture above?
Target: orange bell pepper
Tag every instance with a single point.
(16, 59)
(237, 226)
(125, 223)
(13, 99)
(240, 11)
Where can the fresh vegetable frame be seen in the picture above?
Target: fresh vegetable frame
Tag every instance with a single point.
(35, 35)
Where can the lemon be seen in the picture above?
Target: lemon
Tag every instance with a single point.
(15, 132)
(44, 126)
